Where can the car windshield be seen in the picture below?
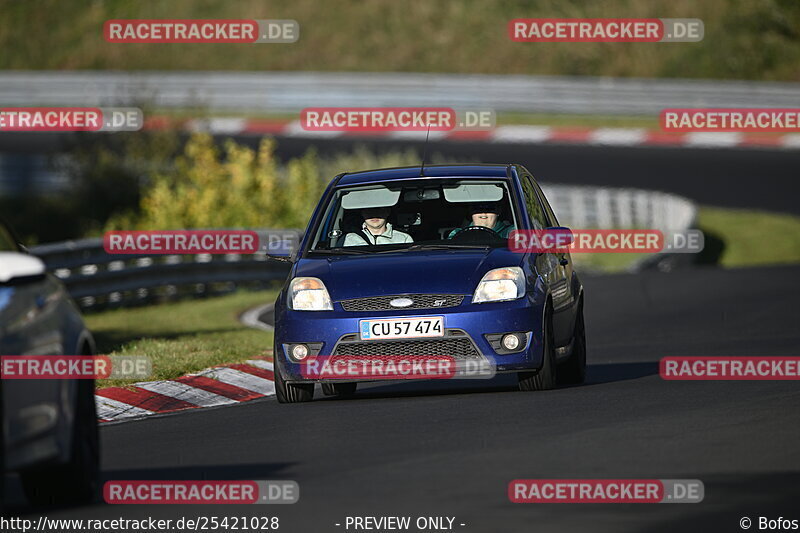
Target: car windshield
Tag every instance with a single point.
(419, 214)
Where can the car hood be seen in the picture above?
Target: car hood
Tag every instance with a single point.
(429, 271)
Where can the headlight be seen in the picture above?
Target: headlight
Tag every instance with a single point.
(500, 284)
(309, 294)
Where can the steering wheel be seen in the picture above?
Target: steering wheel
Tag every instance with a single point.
(476, 234)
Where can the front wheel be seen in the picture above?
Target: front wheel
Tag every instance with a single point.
(545, 377)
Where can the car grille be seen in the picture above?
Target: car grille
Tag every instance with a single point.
(456, 344)
(421, 301)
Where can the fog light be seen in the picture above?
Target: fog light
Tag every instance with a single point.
(299, 352)
(510, 341)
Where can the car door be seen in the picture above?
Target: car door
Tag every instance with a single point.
(555, 268)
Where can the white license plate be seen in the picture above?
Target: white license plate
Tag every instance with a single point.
(401, 328)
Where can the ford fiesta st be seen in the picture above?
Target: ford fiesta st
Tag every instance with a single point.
(408, 262)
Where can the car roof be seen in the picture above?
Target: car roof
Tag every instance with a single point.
(430, 171)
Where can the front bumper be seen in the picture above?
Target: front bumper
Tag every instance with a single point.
(466, 327)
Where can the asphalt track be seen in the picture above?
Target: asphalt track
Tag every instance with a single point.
(450, 449)
(742, 178)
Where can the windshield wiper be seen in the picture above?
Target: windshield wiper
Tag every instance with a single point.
(417, 247)
(353, 250)
(367, 250)
(444, 246)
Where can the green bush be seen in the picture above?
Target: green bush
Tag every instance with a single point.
(234, 186)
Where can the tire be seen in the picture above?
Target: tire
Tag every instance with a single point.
(288, 392)
(573, 370)
(342, 390)
(77, 481)
(545, 377)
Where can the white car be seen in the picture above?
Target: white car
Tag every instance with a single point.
(49, 426)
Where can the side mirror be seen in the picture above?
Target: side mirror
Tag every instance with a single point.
(281, 258)
(15, 265)
(280, 245)
(564, 234)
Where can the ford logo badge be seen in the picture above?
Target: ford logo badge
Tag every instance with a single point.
(401, 302)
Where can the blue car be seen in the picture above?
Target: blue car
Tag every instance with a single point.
(407, 262)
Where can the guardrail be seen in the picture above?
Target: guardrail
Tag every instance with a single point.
(600, 207)
(97, 280)
(293, 91)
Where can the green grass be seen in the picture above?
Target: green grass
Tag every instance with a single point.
(744, 39)
(588, 121)
(734, 238)
(740, 237)
(182, 337)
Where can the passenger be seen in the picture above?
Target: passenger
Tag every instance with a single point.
(376, 230)
(487, 215)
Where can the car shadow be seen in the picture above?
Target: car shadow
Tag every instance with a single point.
(713, 248)
(596, 374)
(599, 374)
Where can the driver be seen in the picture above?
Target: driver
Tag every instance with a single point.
(376, 230)
(487, 215)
